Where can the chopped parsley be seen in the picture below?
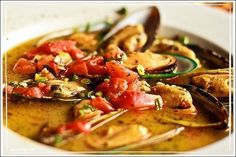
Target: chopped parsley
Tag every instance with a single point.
(184, 40)
(40, 78)
(158, 103)
(86, 109)
(123, 11)
(58, 139)
(87, 27)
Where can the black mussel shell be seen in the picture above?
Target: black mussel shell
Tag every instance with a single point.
(210, 103)
(212, 58)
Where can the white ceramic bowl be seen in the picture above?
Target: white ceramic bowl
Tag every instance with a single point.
(23, 21)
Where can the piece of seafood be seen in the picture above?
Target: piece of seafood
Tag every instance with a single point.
(148, 17)
(214, 81)
(130, 38)
(150, 61)
(166, 45)
(118, 135)
(64, 89)
(85, 41)
(212, 58)
(198, 98)
(83, 110)
(175, 97)
(216, 84)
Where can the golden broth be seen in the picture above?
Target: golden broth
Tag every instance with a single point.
(28, 117)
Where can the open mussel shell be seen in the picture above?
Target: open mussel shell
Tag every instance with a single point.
(212, 58)
(62, 99)
(15, 97)
(155, 139)
(182, 65)
(227, 103)
(149, 17)
(210, 103)
(68, 31)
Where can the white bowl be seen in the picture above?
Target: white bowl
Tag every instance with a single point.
(23, 21)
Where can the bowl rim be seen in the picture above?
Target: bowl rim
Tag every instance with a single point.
(8, 41)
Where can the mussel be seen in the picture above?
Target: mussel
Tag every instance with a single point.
(164, 45)
(214, 81)
(151, 62)
(149, 17)
(209, 103)
(49, 135)
(216, 84)
(212, 58)
(118, 135)
(182, 66)
(68, 91)
(155, 139)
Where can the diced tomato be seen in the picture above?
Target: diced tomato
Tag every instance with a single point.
(92, 66)
(44, 88)
(54, 47)
(33, 92)
(31, 53)
(116, 69)
(41, 85)
(96, 66)
(114, 88)
(118, 85)
(77, 126)
(61, 129)
(135, 85)
(135, 100)
(78, 67)
(102, 104)
(8, 89)
(96, 60)
(54, 67)
(103, 87)
(44, 61)
(20, 90)
(48, 61)
(76, 53)
(24, 66)
(113, 54)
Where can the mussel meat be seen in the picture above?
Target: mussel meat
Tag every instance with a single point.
(148, 17)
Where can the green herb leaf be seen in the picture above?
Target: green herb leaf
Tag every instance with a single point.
(87, 28)
(74, 77)
(85, 81)
(159, 103)
(39, 78)
(184, 40)
(58, 139)
(89, 94)
(87, 106)
(81, 112)
(76, 30)
(86, 109)
(123, 11)
(99, 93)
